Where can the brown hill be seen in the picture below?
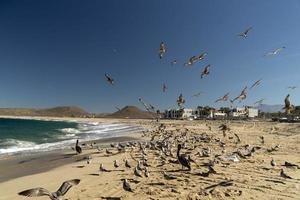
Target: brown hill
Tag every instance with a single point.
(61, 111)
(131, 112)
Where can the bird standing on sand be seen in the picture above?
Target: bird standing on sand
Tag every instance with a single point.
(274, 52)
(116, 164)
(146, 173)
(245, 33)
(205, 71)
(58, 195)
(224, 98)
(78, 148)
(287, 105)
(273, 163)
(102, 169)
(284, 175)
(162, 50)
(109, 79)
(256, 83)
(164, 87)
(127, 164)
(126, 186)
(183, 160)
(137, 172)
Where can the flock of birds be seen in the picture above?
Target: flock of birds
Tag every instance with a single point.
(206, 71)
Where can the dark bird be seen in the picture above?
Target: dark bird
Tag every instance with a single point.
(127, 164)
(287, 105)
(183, 159)
(180, 100)
(137, 172)
(162, 50)
(273, 163)
(197, 94)
(205, 71)
(126, 186)
(58, 195)
(292, 87)
(242, 96)
(245, 33)
(284, 175)
(164, 87)
(224, 98)
(259, 102)
(78, 148)
(256, 83)
(274, 52)
(109, 79)
(224, 128)
(194, 59)
(146, 173)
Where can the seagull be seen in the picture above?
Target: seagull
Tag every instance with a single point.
(102, 169)
(256, 83)
(180, 100)
(292, 87)
(78, 148)
(224, 98)
(127, 164)
(126, 186)
(183, 160)
(116, 164)
(162, 50)
(275, 52)
(284, 175)
(165, 87)
(242, 96)
(205, 71)
(147, 174)
(194, 59)
(109, 79)
(259, 102)
(174, 62)
(287, 105)
(273, 163)
(36, 192)
(245, 33)
(197, 94)
(137, 172)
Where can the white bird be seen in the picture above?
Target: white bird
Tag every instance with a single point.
(275, 52)
(162, 50)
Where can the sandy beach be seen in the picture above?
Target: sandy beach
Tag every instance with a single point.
(248, 177)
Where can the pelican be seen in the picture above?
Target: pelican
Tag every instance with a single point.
(162, 50)
(242, 96)
(245, 33)
(259, 102)
(109, 79)
(137, 172)
(205, 71)
(126, 186)
(275, 52)
(256, 83)
(58, 195)
(180, 100)
(287, 105)
(194, 59)
(197, 94)
(224, 98)
(78, 148)
(183, 160)
(292, 87)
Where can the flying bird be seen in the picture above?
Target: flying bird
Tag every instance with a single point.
(259, 102)
(287, 105)
(245, 33)
(180, 100)
(164, 87)
(64, 188)
(109, 79)
(162, 50)
(292, 87)
(274, 52)
(224, 98)
(197, 94)
(174, 62)
(242, 96)
(194, 59)
(256, 83)
(205, 71)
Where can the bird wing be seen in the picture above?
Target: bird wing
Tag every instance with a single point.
(35, 192)
(247, 30)
(67, 185)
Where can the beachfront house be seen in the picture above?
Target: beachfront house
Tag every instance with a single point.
(183, 113)
(245, 112)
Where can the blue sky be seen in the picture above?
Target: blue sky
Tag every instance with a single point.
(56, 52)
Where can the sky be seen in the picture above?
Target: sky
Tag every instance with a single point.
(56, 52)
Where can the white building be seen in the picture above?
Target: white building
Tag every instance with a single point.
(183, 113)
(245, 112)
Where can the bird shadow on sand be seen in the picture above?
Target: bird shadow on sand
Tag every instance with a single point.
(79, 166)
(111, 198)
(94, 174)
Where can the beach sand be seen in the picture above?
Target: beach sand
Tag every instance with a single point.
(251, 178)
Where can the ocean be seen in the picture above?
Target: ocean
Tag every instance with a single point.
(25, 135)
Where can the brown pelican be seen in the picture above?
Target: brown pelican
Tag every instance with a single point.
(275, 52)
(287, 105)
(109, 79)
(164, 87)
(256, 83)
(183, 159)
(162, 50)
(180, 100)
(126, 186)
(36, 192)
(78, 148)
(205, 71)
(242, 96)
(224, 98)
(245, 33)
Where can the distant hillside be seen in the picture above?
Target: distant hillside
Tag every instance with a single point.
(270, 108)
(131, 112)
(62, 111)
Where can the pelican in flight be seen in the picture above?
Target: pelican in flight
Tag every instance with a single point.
(180, 100)
(194, 59)
(109, 79)
(64, 188)
(164, 87)
(162, 50)
(242, 96)
(259, 102)
(256, 83)
(292, 87)
(275, 51)
(224, 98)
(205, 71)
(287, 105)
(245, 33)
